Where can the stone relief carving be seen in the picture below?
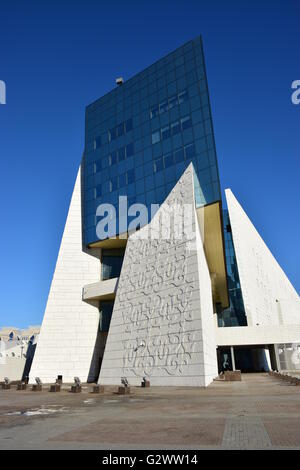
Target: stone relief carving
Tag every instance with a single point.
(156, 288)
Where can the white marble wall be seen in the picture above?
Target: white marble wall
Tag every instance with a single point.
(251, 335)
(162, 325)
(13, 368)
(269, 297)
(69, 329)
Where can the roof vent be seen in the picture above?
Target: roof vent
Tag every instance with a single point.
(119, 81)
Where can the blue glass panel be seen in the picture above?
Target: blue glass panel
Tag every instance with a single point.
(122, 180)
(183, 96)
(129, 150)
(163, 107)
(149, 182)
(128, 125)
(175, 127)
(155, 137)
(98, 190)
(165, 132)
(143, 126)
(154, 111)
(179, 155)
(173, 101)
(190, 151)
(120, 129)
(113, 184)
(234, 315)
(113, 158)
(111, 263)
(130, 176)
(168, 160)
(186, 122)
(98, 166)
(121, 154)
(112, 134)
(158, 165)
(97, 143)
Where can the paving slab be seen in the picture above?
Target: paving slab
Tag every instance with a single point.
(260, 412)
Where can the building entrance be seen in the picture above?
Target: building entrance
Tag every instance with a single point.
(257, 358)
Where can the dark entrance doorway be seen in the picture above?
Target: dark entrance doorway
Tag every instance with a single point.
(224, 359)
(256, 358)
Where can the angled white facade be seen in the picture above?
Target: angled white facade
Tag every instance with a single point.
(269, 297)
(162, 325)
(272, 305)
(69, 330)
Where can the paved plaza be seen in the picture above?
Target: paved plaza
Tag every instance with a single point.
(260, 412)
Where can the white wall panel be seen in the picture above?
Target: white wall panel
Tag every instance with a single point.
(69, 329)
(162, 324)
(269, 297)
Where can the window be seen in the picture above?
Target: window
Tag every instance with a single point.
(130, 176)
(97, 142)
(179, 155)
(129, 150)
(106, 309)
(120, 129)
(113, 184)
(113, 158)
(165, 132)
(98, 166)
(111, 263)
(183, 96)
(175, 128)
(98, 190)
(168, 104)
(121, 154)
(154, 112)
(168, 159)
(163, 107)
(155, 137)
(189, 151)
(158, 165)
(128, 125)
(112, 134)
(186, 122)
(173, 101)
(122, 180)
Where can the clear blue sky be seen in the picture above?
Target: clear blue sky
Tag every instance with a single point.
(58, 56)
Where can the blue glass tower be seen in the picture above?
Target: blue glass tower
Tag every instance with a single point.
(141, 136)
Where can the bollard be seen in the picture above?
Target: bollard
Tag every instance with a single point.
(98, 389)
(233, 375)
(54, 387)
(5, 386)
(145, 383)
(37, 388)
(76, 387)
(21, 386)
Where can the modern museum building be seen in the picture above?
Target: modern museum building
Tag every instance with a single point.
(154, 277)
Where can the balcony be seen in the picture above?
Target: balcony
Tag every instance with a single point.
(101, 290)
